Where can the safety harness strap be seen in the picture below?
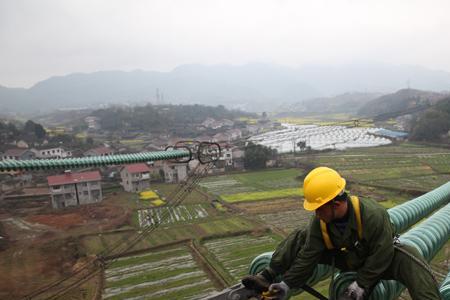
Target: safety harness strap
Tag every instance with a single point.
(325, 235)
(357, 208)
(324, 229)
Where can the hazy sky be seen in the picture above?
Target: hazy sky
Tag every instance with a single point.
(42, 38)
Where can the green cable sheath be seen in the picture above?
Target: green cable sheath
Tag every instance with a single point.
(94, 161)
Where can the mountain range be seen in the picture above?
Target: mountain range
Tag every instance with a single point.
(251, 87)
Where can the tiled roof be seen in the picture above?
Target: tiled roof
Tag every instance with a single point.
(74, 178)
(101, 150)
(15, 152)
(137, 168)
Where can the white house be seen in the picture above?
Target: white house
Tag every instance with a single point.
(174, 172)
(52, 153)
(135, 177)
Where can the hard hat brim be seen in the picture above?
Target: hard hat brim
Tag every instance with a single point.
(315, 205)
(311, 206)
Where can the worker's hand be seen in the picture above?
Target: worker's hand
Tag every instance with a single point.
(354, 291)
(278, 291)
(257, 282)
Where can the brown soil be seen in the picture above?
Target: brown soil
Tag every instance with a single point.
(29, 266)
(36, 191)
(45, 246)
(83, 215)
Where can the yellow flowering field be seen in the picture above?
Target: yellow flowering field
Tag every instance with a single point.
(255, 196)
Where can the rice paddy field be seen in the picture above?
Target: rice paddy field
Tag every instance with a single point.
(168, 215)
(165, 234)
(230, 240)
(286, 220)
(405, 166)
(234, 254)
(254, 186)
(165, 274)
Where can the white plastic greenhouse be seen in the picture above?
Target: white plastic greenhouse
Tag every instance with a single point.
(319, 137)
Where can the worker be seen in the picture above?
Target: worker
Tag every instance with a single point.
(349, 233)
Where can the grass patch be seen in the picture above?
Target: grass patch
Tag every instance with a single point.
(255, 196)
(165, 190)
(272, 179)
(252, 181)
(225, 225)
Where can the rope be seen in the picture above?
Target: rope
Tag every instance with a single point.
(418, 261)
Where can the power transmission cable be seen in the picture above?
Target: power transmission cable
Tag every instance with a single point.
(177, 197)
(211, 151)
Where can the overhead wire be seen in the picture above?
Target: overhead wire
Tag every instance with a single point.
(176, 197)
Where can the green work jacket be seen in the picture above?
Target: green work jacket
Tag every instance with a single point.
(297, 256)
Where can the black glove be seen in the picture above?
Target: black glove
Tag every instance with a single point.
(257, 282)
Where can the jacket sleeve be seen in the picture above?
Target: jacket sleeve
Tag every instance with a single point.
(307, 258)
(287, 250)
(378, 234)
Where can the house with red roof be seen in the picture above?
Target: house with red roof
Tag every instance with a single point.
(135, 177)
(73, 189)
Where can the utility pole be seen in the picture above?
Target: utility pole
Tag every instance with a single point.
(293, 144)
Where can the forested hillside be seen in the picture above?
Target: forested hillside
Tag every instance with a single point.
(159, 118)
(400, 101)
(433, 124)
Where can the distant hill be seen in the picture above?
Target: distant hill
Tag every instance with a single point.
(253, 87)
(433, 124)
(13, 98)
(345, 103)
(400, 102)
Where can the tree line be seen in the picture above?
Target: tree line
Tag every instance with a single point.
(35, 135)
(30, 132)
(162, 118)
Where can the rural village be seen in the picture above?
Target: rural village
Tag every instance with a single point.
(72, 216)
(224, 150)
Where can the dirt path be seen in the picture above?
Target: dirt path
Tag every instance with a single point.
(215, 276)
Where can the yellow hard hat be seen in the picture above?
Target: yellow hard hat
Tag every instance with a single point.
(320, 186)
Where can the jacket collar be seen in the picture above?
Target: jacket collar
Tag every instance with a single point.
(351, 225)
